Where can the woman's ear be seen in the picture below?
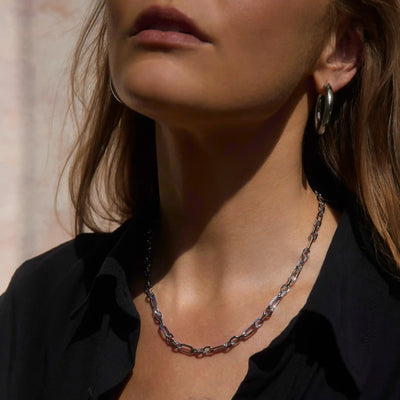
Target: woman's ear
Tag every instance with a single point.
(340, 58)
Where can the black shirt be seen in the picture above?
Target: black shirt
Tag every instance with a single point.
(69, 327)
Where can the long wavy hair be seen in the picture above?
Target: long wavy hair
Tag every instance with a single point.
(113, 174)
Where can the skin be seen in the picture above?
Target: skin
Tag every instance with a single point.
(236, 206)
(200, 81)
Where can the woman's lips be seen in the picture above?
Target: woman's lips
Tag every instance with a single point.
(166, 27)
(159, 38)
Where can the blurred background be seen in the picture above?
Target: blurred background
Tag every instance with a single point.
(36, 42)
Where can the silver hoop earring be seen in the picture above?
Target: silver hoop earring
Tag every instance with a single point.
(114, 93)
(323, 110)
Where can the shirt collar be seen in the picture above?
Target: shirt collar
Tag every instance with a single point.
(348, 292)
(117, 266)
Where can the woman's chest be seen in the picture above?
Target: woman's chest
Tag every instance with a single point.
(157, 377)
(161, 372)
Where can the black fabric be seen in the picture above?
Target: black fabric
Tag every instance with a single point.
(69, 329)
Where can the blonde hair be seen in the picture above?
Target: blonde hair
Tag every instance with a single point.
(113, 164)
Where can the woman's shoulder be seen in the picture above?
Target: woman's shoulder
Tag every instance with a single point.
(74, 260)
(57, 261)
(35, 310)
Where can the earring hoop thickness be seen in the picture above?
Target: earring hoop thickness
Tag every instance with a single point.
(114, 92)
(323, 110)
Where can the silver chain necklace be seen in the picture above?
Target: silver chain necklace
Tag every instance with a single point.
(252, 329)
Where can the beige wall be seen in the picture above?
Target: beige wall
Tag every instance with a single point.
(36, 38)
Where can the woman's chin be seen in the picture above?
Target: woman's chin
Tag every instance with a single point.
(178, 113)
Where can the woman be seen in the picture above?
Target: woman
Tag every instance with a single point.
(200, 137)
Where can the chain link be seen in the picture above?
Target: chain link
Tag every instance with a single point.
(257, 324)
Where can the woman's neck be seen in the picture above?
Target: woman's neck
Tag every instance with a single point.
(232, 206)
